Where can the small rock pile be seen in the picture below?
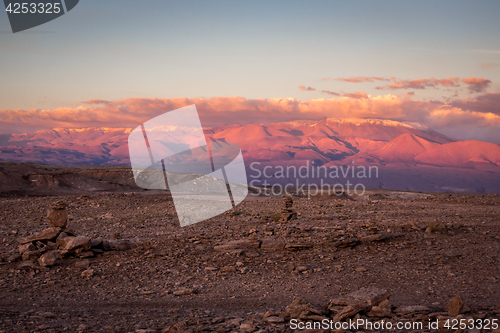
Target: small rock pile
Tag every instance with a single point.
(371, 303)
(288, 213)
(44, 248)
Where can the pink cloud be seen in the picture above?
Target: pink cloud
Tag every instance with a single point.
(488, 103)
(477, 84)
(303, 88)
(214, 111)
(328, 92)
(356, 95)
(357, 79)
(481, 112)
(96, 101)
(421, 83)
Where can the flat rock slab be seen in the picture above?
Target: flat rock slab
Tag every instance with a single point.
(413, 309)
(370, 296)
(78, 242)
(118, 244)
(44, 235)
(298, 246)
(243, 244)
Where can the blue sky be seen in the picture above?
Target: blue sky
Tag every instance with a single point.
(255, 49)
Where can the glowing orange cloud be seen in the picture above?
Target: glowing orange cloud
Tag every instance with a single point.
(131, 112)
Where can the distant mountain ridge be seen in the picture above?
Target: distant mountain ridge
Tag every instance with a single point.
(408, 148)
(377, 140)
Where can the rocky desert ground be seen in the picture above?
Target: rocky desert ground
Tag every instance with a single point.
(404, 256)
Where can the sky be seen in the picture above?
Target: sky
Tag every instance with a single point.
(437, 63)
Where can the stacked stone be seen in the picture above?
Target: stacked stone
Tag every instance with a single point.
(288, 213)
(44, 248)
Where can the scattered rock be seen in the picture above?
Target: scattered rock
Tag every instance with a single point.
(370, 296)
(26, 248)
(413, 309)
(12, 257)
(381, 310)
(298, 246)
(63, 239)
(270, 244)
(301, 309)
(48, 259)
(268, 314)
(247, 327)
(349, 311)
(243, 244)
(362, 300)
(275, 319)
(82, 264)
(96, 242)
(47, 315)
(31, 255)
(183, 292)
(455, 306)
(88, 273)
(345, 243)
(30, 264)
(118, 244)
(251, 254)
(228, 269)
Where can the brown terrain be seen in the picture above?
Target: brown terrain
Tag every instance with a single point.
(114, 258)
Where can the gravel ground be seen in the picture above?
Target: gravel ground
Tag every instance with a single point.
(423, 248)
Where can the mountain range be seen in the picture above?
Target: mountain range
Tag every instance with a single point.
(408, 155)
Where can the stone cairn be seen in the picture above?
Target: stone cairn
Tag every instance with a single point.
(287, 212)
(44, 248)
